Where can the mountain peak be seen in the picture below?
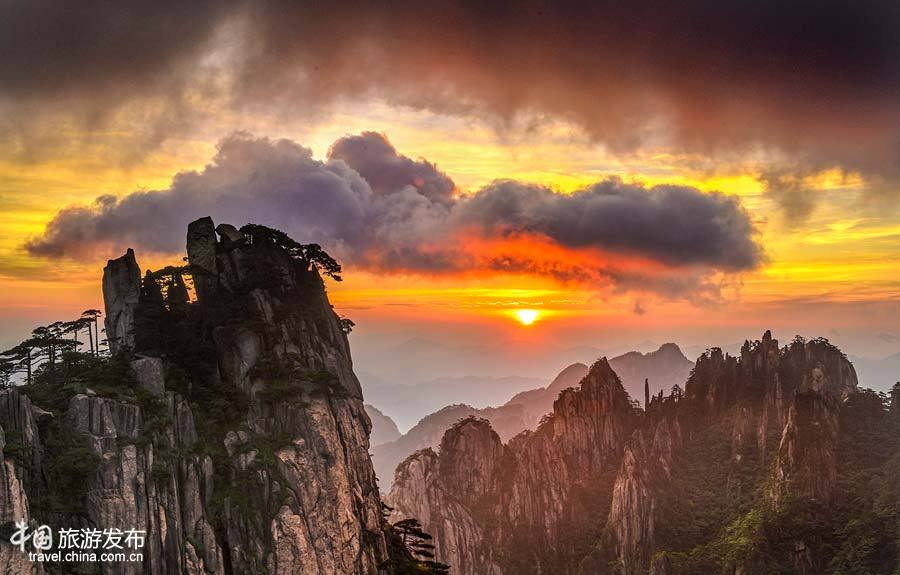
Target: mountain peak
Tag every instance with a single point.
(568, 377)
(670, 349)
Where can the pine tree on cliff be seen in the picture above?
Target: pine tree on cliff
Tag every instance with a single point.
(90, 317)
(646, 394)
(311, 254)
(409, 548)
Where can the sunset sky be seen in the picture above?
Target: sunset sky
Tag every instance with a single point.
(693, 172)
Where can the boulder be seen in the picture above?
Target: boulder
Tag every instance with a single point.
(149, 373)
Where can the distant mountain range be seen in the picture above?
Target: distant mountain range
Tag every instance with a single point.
(662, 368)
(538, 402)
(507, 421)
(407, 404)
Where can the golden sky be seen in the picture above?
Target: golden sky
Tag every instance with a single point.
(842, 255)
(787, 138)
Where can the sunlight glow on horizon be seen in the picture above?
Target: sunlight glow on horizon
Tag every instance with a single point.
(834, 257)
(527, 316)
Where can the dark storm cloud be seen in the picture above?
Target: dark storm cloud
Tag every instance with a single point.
(376, 160)
(401, 227)
(98, 49)
(818, 82)
(672, 224)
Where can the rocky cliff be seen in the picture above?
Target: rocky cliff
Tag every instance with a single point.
(663, 368)
(704, 479)
(507, 421)
(660, 370)
(531, 494)
(539, 402)
(229, 427)
(461, 541)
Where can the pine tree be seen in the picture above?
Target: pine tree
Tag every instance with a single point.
(90, 317)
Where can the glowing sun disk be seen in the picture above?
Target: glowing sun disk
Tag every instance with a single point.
(526, 316)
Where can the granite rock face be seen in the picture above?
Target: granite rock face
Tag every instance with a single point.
(507, 420)
(238, 440)
(632, 516)
(14, 504)
(427, 487)
(523, 495)
(121, 292)
(586, 491)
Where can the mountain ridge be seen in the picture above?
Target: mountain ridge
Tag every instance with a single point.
(603, 486)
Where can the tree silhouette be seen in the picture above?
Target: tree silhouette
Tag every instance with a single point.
(409, 548)
(18, 359)
(347, 324)
(90, 317)
(311, 254)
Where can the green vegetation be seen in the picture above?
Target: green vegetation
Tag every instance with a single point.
(707, 490)
(71, 465)
(288, 381)
(14, 449)
(856, 533)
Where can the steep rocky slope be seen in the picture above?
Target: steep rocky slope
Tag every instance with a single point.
(661, 369)
(665, 367)
(539, 402)
(383, 427)
(753, 467)
(231, 428)
(508, 421)
(522, 412)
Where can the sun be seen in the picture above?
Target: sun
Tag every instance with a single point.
(527, 316)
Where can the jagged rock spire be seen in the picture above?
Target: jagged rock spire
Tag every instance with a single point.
(201, 252)
(121, 292)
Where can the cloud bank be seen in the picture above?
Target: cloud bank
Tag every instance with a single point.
(379, 210)
(817, 82)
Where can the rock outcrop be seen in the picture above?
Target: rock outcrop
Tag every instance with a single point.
(19, 451)
(522, 497)
(427, 488)
(539, 402)
(660, 369)
(601, 484)
(121, 292)
(633, 514)
(507, 421)
(230, 429)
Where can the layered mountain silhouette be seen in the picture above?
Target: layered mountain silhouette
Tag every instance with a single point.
(662, 368)
(772, 461)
